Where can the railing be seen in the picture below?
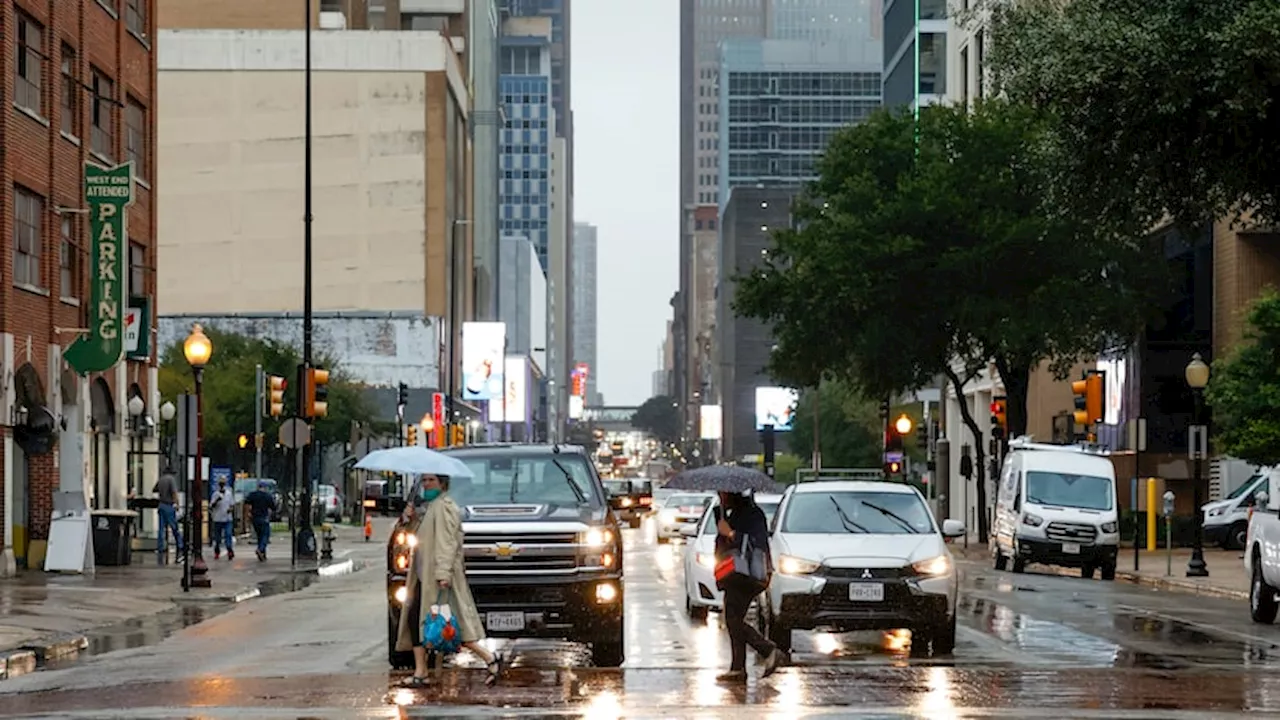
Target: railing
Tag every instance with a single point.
(843, 474)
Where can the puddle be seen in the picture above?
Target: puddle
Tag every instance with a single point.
(1204, 645)
(141, 632)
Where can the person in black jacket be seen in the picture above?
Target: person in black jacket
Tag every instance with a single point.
(741, 518)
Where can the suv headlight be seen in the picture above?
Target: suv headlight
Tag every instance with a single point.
(1110, 527)
(791, 565)
(596, 537)
(933, 567)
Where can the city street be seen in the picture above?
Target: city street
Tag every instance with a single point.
(1030, 646)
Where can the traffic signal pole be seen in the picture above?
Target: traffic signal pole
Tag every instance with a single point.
(259, 398)
(306, 540)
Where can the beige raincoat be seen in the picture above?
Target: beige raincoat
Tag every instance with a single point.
(439, 557)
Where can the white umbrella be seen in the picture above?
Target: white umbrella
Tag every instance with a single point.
(413, 460)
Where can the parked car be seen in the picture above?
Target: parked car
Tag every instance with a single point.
(700, 593)
(330, 502)
(861, 555)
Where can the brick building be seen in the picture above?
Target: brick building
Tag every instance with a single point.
(79, 80)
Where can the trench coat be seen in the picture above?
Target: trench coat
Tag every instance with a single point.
(439, 557)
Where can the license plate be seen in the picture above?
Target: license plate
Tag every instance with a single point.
(504, 621)
(866, 592)
(1071, 548)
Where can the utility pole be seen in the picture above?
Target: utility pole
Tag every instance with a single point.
(260, 398)
(306, 541)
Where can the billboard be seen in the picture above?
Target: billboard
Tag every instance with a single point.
(579, 385)
(483, 345)
(775, 406)
(516, 375)
(711, 424)
(576, 406)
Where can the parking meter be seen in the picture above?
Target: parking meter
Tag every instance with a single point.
(1168, 503)
(1168, 532)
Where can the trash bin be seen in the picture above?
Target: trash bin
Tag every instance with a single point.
(112, 537)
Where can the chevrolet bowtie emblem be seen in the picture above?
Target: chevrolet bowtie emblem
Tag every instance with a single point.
(505, 550)
(866, 574)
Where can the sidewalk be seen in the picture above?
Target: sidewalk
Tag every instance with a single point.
(48, 616)
(1227, 576)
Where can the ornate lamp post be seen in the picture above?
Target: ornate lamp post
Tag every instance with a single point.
(136, 406)
(167, 412)
(1197, 373)
(197, 350)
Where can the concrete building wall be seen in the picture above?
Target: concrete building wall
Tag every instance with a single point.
(585, 312)
(231, 134)
(48, 136)
(233, 14)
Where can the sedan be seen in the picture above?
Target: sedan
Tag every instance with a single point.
(700, 592)
(682, 510)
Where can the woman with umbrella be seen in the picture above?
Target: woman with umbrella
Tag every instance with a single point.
(742, 522)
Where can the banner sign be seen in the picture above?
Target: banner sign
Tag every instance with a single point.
(108, 194)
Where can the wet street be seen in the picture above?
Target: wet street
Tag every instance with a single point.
(1029, 646)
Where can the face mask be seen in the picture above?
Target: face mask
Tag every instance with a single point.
(429, 495)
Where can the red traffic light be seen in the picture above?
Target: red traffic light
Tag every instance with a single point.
(995, 408)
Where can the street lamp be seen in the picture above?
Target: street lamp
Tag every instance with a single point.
(167, 412)
(1197, 374)
(136, 407)
(197, 350)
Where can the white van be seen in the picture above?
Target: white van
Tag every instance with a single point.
(1226, 521)
(1056, 505)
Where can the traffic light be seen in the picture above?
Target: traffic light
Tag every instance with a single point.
(922, 434)
(1088, 398)
(893, 467)
(244, 441)
(893, 440)
(275, 395)
(402, 397)
(457, 434)
(317, 392)
(999, 420)
(411, 435)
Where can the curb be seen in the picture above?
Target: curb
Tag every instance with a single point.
(27, 658)
(1160, 583)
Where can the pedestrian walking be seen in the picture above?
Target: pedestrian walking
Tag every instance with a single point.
(261, 506)
(437, 575)
(220, 507)
(166, 490)
(741, 520)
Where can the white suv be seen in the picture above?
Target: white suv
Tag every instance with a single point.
(861, 556)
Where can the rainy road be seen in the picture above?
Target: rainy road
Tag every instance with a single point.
(1029, 646)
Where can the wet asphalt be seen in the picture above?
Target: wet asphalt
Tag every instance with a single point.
(1033, 645)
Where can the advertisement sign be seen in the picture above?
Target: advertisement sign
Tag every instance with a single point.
(137, 329)
(437, 418)
(108, 193)
(576, 406)
(711, 422)
(516, 375)
(580, 374)
(483, 344)
(775, 406)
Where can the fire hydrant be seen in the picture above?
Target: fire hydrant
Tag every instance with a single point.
(326, 542)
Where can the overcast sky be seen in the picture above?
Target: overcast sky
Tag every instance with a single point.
(626, 99)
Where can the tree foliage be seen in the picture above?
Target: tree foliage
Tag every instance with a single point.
(849, 427)
(1244, 389)
(660, 417)
(1165, 107)
(229, 390)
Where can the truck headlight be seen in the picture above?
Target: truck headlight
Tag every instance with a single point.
(626, 502)
(1032, 520)
(1215, 512)
(597, 537)
(1110, 527)
(791, 565)
(401, 594)
(933, 567)
(404, 538)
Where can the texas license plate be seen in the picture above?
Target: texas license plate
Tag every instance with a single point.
(504, 621)
(866, 592)
(1071, 548)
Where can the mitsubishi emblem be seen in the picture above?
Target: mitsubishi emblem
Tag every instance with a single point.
(866, 574)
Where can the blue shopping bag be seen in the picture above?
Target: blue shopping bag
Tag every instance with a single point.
(440, 632)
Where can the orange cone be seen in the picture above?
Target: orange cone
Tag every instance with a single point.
(368, 527)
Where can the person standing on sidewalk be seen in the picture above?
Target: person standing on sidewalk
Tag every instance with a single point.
(220, 507)
(166, 490)
(261, 506)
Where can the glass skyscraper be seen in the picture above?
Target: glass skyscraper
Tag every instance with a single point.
(525, 88)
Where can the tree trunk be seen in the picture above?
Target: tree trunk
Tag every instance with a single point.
(1016, 378)
(980, 454)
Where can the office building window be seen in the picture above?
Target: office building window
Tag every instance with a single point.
(70, 93)
(28, 66)
(135, 16)
(28, 210)
(102, 138)
(137, 269)
(69, 259)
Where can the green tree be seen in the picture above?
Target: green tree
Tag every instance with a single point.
(660, 417)
(1244, 389)
(937, 247)
(849, 427)
(229, 390)
(1165, 108)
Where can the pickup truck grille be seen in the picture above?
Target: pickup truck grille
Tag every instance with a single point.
(521, 552)
(1071, 532)
(520, 538)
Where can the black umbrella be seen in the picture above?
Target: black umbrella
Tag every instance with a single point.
(723, 478)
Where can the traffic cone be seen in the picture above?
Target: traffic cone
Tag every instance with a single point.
(368, 527)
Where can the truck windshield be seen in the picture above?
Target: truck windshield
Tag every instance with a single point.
(508, 478)
(1244, 487)
(1088, 492)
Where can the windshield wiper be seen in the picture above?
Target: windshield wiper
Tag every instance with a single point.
(849, 524)
(577, 491)
(515, 482)
(892, 516)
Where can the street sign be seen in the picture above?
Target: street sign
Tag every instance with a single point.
(295, 433)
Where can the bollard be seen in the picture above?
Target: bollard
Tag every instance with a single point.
(1151, 514)
(326, 544)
